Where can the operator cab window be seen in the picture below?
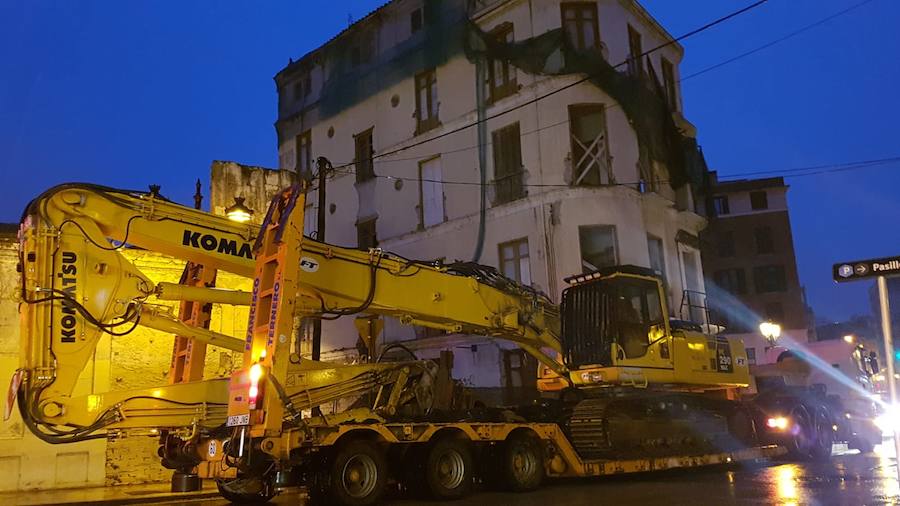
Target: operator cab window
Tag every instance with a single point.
(637, 310)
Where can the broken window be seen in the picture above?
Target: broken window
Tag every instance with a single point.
(591, 162)
(514, 261)
(431, 193)
(635, 52)
(426, 101)
(769, 278)
(669, 84)
(366, 236)
(764, 242)
(365, 150)
(598, 247)
(579, 20)
(720, 205)
(502, 75)
(507, 149)
(303, 164)
(759, 200)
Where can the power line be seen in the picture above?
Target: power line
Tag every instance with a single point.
(534, 100)
(776, 41)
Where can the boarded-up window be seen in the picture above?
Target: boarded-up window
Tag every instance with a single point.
(598, 246)
(591, 163)
(304, 153)
(502, 75)
(514, 260)
(579, 20)
(426, 101)
(365, 168)
(431, 193)
(365, 234)
(507, 149)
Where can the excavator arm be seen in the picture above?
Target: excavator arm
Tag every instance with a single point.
(77, 285)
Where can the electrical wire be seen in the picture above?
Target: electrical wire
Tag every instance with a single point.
(534, 100)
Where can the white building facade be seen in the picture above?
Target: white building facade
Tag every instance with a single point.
(444, 147)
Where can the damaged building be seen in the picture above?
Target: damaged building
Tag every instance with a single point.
(530, 136)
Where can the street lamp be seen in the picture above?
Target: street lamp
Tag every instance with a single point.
(238, 211)
(771, 331)
(849, 338)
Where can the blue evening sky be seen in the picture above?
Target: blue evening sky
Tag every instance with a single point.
(128, 93)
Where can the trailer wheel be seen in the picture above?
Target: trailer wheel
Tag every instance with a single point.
(357, 476)
(448, 468)
(823, 435)
(246, 490)
(523, 463)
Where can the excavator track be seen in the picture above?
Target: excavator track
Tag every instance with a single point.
(650, 424)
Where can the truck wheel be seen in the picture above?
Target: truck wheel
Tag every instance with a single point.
(523, 463)
(357, 477)
(246, 490)
(803, 435)
(824, 435)
(448, 469)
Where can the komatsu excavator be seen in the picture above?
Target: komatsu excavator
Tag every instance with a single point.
(636, 388)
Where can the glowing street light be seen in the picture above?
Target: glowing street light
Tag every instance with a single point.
(238, 211)
(849, 338)
(771, 331)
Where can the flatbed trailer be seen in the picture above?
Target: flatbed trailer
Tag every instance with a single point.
(344, 463)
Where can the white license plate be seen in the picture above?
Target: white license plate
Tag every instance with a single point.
(237, 420)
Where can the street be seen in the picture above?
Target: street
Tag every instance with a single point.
(847, 480)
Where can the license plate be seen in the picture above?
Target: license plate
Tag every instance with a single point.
(237, 420)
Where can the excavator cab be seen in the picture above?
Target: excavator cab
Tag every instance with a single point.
(612, 316)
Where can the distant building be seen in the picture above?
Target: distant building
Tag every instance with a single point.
(749, 262)
(575, 164)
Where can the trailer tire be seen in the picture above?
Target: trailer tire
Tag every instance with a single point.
(246, 490)
(801, 441)
(449, 468)
(356, 476)
(523, 463)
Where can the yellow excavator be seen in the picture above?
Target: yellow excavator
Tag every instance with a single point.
(636, 388)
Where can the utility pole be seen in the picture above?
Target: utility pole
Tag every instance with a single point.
(323, 166)
(886, 331)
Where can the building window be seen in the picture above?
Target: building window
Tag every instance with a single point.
(775, 312)
(365, 150)
(759, 200)
(303, 149)
(431, 193)
(426, 101)
(720, 205)
(769, 278)
(591, 162)
(507, 164)
(502, 75)
(579, 20)
(657, 256)
(635, 52)
(668, 72)
(415, 20)
(366, 236)
(514, 262)
(598, 247)
(732, 281)
(751, 356)
(764, 242)
(725, 244)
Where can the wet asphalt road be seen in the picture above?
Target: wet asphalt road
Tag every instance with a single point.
(847, 480)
